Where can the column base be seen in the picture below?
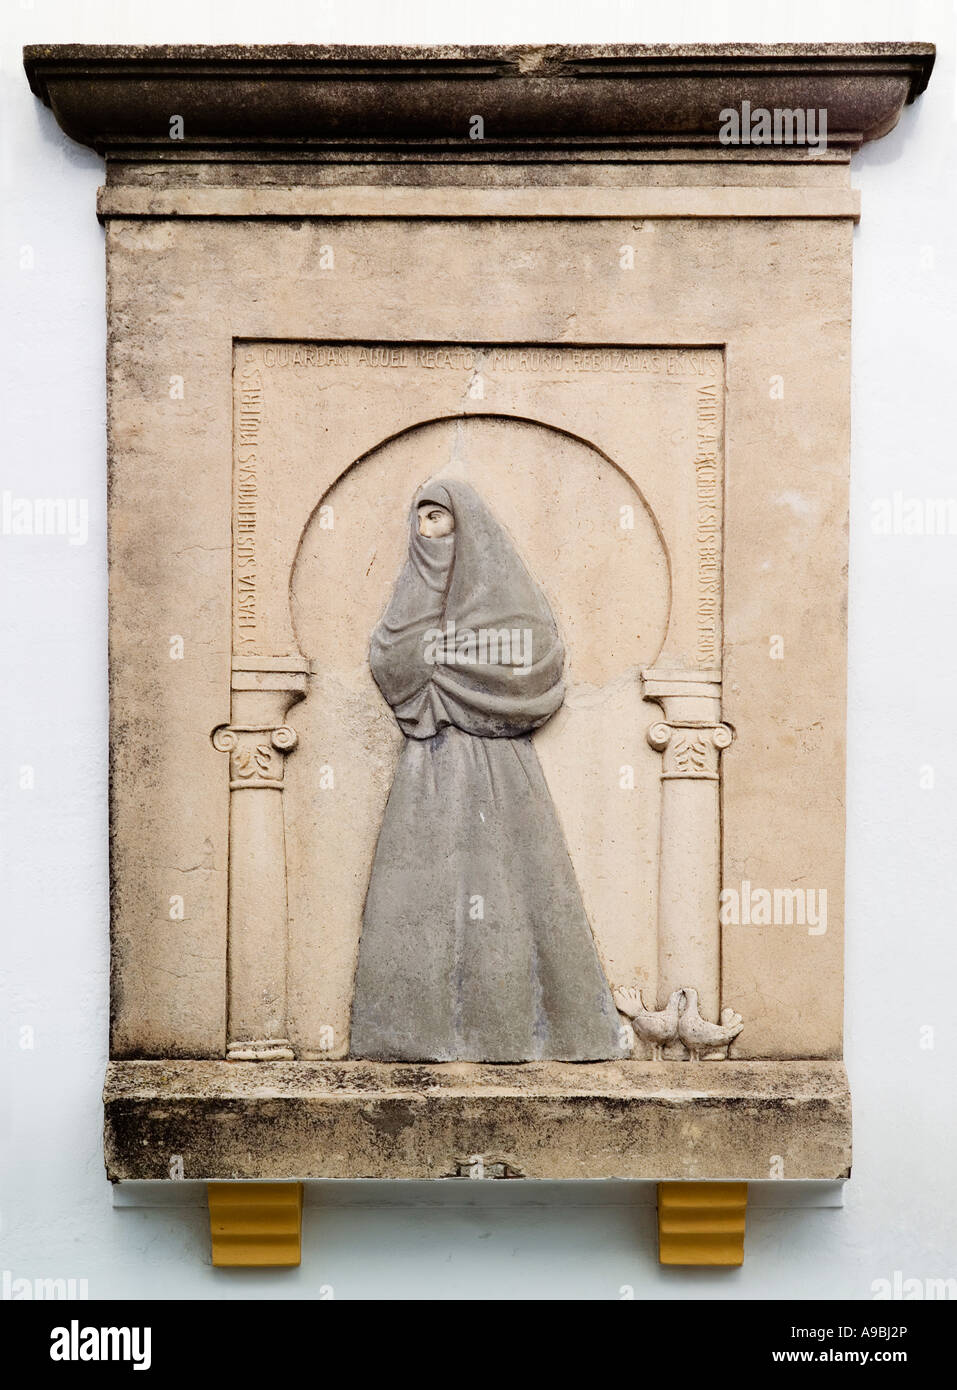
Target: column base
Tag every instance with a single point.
(261, 1050)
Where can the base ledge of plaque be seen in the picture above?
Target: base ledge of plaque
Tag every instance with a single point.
(663, 1121)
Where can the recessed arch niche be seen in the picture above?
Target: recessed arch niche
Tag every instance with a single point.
(586, 534)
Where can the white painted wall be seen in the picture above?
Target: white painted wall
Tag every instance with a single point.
(56, 1217)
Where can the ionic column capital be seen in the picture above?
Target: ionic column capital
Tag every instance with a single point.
(256, 753)
(690, 750)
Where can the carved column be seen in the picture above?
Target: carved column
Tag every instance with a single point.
(690, 739)
(257, 740)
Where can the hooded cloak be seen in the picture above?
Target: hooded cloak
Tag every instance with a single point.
(469, 583)
(475, 945)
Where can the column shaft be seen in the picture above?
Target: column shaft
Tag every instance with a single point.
(257, 740)
(690, 739)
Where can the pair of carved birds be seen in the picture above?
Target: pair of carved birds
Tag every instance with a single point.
(679, 1019)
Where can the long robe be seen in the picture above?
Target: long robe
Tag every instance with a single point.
(475, 945)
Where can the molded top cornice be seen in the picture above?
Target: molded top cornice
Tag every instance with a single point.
(317, 101)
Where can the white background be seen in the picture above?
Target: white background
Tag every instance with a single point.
(56, 1217)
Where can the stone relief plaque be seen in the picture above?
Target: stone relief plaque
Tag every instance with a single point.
(477, 578)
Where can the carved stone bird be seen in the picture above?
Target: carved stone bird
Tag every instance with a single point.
(656, 1028)
(698, 1034)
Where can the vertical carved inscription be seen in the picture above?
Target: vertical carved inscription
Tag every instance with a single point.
(247, 467)
(707, 525)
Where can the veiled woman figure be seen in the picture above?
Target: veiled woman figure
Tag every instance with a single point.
(475, 945)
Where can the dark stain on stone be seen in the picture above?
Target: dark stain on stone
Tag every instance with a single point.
(389, 1117)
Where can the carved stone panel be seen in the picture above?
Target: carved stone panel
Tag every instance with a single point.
(488, 805)
(547, 436)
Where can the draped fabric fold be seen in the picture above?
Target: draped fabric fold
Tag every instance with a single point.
(475, 945)
(470, 583)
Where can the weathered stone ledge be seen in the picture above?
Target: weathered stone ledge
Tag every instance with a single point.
(639, 1120)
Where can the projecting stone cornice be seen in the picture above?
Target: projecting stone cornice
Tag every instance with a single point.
(535, 102)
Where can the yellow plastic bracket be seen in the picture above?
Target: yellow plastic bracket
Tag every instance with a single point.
(255, 1223)
(701, 1223)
